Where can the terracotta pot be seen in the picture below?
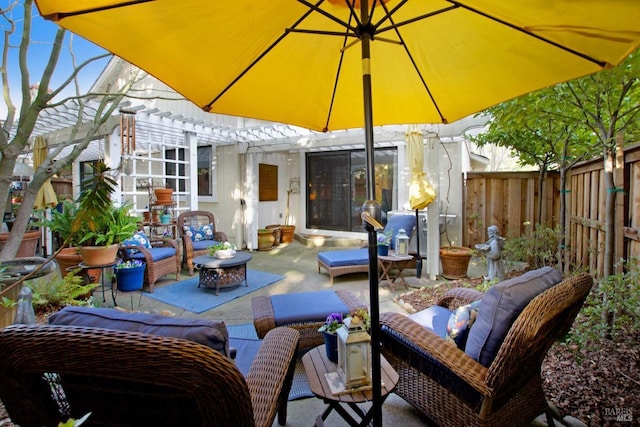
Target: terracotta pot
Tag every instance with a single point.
(69, 258)
(27, 246)
(455, 261)
(99, 255)
(163, 196)
(287, 233)
(265, 240)
(277, 233)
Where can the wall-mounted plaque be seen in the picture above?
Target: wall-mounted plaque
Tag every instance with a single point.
(267, 182)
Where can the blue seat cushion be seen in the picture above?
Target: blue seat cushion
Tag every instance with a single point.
(434, 318)
(499, 308)
(345, 258)
(306, 307)
(212, 333)
(247, 349)
(201, 245)
(156, 253)
(396, 222)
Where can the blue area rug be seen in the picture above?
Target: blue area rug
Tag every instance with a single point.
(187, 295)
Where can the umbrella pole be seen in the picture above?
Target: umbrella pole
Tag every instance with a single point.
(376, 374)
(419, 258)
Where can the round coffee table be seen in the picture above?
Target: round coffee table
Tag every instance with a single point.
(222, 272)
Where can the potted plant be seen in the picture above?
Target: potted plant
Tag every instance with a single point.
(222, 250)
(265, 239)
(455, 261)
(384, 241)
(329, 329)
(100, 225)
(130, 275)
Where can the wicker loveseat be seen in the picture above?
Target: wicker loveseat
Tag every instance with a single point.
(495, 387)
(126, 378)
(195, 244)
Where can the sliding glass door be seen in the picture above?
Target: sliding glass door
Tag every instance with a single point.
(336, 187)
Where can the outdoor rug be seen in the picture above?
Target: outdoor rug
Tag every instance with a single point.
(187, 295)
(300, 386)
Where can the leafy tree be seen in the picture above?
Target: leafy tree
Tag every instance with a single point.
(20, 122)
(561, 125)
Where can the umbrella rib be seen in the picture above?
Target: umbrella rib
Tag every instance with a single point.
(413, 62)
(61, 15)
(316, 8)
(208, 106)
(602, 64)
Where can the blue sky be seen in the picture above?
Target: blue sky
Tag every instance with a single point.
(42, 36)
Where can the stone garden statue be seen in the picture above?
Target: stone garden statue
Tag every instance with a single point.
(492, 250)
(25, 313)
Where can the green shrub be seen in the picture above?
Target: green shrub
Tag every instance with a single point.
(51, 295)
(538, 248)
(612, 309)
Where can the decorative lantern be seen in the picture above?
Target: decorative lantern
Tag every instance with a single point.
(354, 353)
(402, 243)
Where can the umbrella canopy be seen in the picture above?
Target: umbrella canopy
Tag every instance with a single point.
(46, 196)
(297, 62)
(314, 64)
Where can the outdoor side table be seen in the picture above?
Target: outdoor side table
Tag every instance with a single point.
(222, 272)
(105, 269)
(387, 263)
(316, 364)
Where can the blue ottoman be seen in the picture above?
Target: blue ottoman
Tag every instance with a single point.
(302, 311)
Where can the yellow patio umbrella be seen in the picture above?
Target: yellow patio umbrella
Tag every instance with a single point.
(46, 196)
(339, 64)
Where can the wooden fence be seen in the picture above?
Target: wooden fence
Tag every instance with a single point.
(510, 200)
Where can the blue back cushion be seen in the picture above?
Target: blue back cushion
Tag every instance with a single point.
(500, 307)
(212, 333)
(398, 221)
(202, 232)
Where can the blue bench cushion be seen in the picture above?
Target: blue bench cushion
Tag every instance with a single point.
(306, 307)
(212, 333)
(434, 318)
(156, 253)
(345, 258)
(499, 308)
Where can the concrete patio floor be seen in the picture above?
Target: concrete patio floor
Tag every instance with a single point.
(298, 264)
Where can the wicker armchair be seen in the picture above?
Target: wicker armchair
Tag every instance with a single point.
(453, 389)
(191, 249)
(52, 372)
(162, 258)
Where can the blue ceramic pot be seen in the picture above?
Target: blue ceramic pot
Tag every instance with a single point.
(383, 250)
(331, 346)
(130, 279)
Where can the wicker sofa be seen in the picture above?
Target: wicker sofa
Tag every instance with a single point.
(140, 376)
(478, 385)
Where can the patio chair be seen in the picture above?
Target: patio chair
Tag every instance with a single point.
(197, 230)
(160, 255)
(52, 372)
(454, 387)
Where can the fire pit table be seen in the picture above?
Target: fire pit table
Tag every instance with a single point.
(222, 272)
